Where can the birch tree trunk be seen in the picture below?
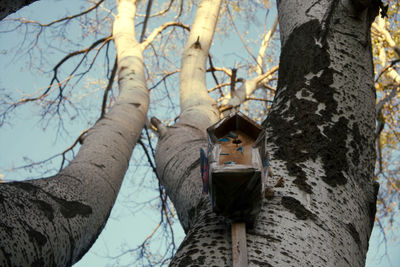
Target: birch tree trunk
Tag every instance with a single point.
(10, 6)
(54, 221)
(320, 135)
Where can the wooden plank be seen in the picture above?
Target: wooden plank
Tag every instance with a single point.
(237, 150)
(239, 246)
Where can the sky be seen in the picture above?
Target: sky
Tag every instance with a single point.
(136, 213)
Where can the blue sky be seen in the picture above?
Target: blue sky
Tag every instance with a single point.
(25, 135)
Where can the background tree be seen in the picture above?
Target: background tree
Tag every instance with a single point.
(54, 221)
(303, 159)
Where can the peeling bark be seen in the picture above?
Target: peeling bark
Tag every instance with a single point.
(54, 221)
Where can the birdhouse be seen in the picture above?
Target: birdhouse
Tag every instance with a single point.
(236, 176)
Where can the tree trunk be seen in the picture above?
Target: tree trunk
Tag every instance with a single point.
(320, 138)
(54, 221)
(10, 6)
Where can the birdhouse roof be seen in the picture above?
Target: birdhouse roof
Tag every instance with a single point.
(232, 122)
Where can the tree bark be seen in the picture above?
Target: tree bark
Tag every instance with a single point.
(54, 221)
(10, 6)
(320, 136)
(178, 148)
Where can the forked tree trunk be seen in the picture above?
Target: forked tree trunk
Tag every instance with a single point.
(320, 135)
(54, 221)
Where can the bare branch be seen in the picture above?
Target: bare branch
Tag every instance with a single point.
(227, 71)
(219, 86)
(158, 30)
(159, 127)
(384, 100)
(160, 13)
(108, 88)
(260, 99)
(212, 70)
(247, 88)
(264, 45)
(239, 34)
(78, 140)
(62, 61)
(163, 78)
(149, 158)
(62, 19)
(146, 18)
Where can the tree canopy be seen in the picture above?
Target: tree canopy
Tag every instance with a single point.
(60, 68)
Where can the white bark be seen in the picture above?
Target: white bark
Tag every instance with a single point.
(54, 221)
(320, 135)
(248, 87)
(178, 148)
(10, 6)
(193, 91)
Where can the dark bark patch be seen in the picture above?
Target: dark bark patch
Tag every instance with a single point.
(6, 228)
(46, 208)
(38, 263)
(335, 162)
(196, 45)
(261, 263)
(304, 106)
(355, 144)
(353, 232)
(6, 261)
(269, 238)
(101, 166)
(301, 178)
(295, 207)
(36, 237)
(201, 260)
(25, 186)
(70, 209)
(372, 205)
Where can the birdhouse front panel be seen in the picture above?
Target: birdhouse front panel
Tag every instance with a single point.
(236, 148)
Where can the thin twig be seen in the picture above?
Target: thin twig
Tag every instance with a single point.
(146, 18)
(108, 88)
(62, 19)
(240, 36)
(212, 70)
(163, 78)
(158, 30)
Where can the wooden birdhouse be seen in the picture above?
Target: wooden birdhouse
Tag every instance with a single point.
(235, 167)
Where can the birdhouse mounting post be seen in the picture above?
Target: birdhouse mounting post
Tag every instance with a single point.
(239, 246)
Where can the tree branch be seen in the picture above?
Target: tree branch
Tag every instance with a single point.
(146, 18)
(264, 45)
(247, 88)
(158, 30)
(108, 88)
(62, 19)
(193, 90)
